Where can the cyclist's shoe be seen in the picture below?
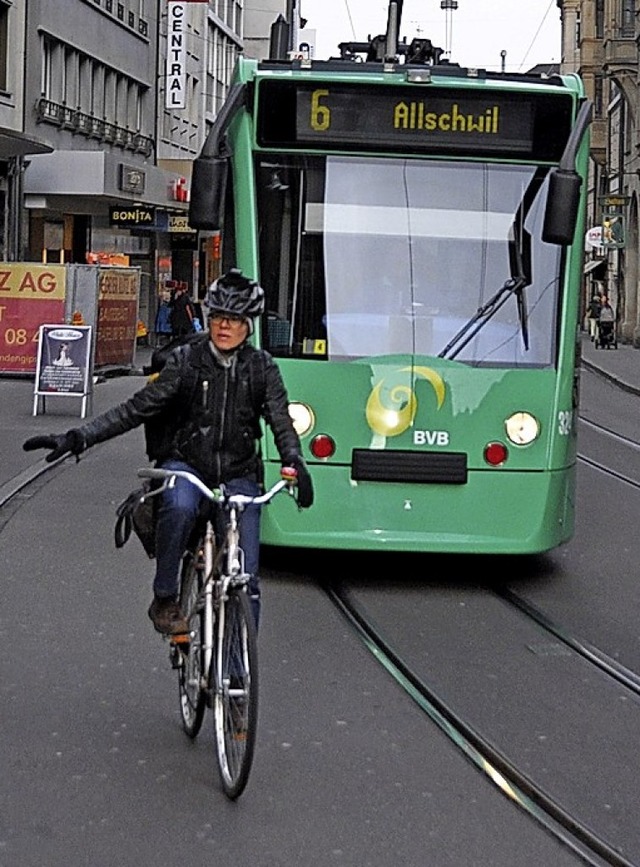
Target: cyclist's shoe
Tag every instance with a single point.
(167, 617)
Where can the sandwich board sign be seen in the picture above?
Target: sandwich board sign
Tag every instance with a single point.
(63, 366)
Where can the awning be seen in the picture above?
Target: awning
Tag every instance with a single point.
(18, 144)
(593, 264)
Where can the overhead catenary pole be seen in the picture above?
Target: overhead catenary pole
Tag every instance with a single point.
(449, 7)
(292, 20)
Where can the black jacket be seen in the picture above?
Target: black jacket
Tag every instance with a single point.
(182, 313)
(219, 410)
(595, 306)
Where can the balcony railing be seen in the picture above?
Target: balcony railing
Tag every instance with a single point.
(82, 123)
(127, 18)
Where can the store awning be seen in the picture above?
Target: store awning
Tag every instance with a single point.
(18, 144)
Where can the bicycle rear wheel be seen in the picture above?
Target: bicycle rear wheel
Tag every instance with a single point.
(235, 699)
(190, 675)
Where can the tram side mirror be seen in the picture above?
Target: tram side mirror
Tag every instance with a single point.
(563, 201)
(208, 188)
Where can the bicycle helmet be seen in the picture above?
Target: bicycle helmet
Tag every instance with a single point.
(236, 295)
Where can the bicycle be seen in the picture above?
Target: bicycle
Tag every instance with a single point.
(217, 659)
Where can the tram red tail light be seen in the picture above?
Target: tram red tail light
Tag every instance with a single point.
(322, 446)
(496, 454)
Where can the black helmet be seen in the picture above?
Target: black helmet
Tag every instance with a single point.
(235, 294)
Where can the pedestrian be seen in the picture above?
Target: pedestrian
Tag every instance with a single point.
(217, 435)
(606, 313)
(199, 319)
(606, 325)
(182, 311)
(593, 314)
(162, 326)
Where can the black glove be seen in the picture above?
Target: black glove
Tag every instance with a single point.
(305, 485)
(60, 444)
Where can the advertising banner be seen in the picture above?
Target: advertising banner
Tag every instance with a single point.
(117, 316)
(30, 295)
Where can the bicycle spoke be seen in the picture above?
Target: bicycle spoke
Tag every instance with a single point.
(190, 676)
(236, 692)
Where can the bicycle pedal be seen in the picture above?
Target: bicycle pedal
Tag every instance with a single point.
(175, 657)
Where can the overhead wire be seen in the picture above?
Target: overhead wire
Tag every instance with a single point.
(349, 16)
(536, 34)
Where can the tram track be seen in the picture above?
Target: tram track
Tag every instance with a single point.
(604, 468)
(529, 796)
(601, 428)
(504, 774)
(607, 664)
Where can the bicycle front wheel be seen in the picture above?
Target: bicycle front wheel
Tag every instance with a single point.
(235, 699)
(190, 674)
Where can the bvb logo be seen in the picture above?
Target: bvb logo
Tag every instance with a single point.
(392, 405)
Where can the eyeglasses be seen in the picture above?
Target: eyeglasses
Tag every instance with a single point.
(218, 318)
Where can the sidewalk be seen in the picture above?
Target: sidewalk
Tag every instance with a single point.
(621, 365)
(17, 422)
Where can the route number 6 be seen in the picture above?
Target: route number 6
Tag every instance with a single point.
(320, 114)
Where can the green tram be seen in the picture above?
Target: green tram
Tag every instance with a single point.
(417, 227)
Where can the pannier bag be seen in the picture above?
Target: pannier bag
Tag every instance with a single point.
(138, 513)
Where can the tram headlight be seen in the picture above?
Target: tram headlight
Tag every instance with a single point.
(303, 417)
(522, 428)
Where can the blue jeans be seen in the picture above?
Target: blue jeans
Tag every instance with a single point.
(178, 510)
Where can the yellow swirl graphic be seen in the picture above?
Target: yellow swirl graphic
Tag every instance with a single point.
(391, 408)
(434, 378)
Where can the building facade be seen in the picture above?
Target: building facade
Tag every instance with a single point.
(600, 43)
(15, 144)
(104, 104)
(91, 93)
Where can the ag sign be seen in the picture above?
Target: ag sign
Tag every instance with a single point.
(593, 238)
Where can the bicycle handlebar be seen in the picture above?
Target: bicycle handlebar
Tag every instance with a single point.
(219, 495)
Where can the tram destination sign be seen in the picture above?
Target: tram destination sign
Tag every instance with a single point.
(486, 121)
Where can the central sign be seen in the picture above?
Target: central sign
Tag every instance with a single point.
(176, 74)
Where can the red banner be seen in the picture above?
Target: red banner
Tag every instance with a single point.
(117, 317)
(30, 296)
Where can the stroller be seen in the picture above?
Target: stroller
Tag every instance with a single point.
(606, 336)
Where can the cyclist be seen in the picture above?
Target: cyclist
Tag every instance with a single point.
(217, 387)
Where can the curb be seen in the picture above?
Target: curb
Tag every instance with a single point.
(610, 377)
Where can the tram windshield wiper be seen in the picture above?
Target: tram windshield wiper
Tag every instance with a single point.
(512, 286)
(520, 266)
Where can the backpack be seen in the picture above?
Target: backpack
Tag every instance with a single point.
(160, 430)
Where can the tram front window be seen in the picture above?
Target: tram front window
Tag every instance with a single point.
(365, 256)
